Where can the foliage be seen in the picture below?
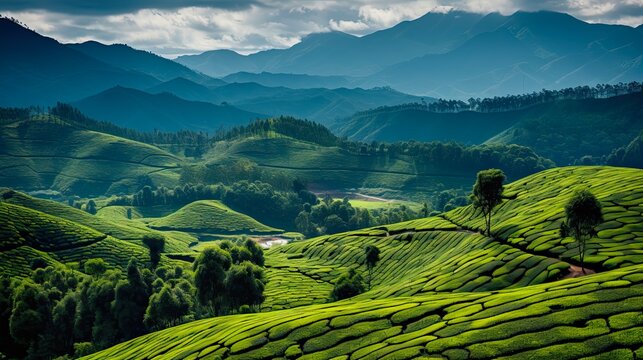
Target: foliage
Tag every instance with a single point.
(244, 284)
(487, 193)
(156, 245)
(347, 285)
(372, 254)
(210, 270)
(583, 212)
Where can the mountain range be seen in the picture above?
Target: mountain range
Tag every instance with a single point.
(455, 55)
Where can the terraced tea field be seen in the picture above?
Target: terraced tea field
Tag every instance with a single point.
(210, 216)
(28, 234)
(531, 219)
(81, 162)
(570, 319)
(443, 290)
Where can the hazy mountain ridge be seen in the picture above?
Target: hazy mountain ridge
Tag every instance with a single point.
(456, 55)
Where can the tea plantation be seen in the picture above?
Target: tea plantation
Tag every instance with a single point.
(210, 216)
(443, 290)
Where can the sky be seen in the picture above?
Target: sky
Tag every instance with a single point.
(177, 27)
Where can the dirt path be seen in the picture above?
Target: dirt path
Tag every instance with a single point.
(575, 271)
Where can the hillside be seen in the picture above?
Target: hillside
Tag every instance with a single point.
(293, 81)
(37, 70)
(120, 228)
(166, 112)
(29, 234)
(318, 104)
(48, 153)
(562, 130)
(567, 130)
(442, 289)
(212, 217)
(125, 57)
(409, 122)
(415, 169)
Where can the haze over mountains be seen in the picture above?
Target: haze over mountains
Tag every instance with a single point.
(456, 55)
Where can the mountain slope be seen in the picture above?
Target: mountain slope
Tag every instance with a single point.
(125, 57)
(293, 81)
(37, 70)
(457, 55)
(506, 299)
(318, 104)
(337, 53)
(166, 112)
(569, 129)
(561, 130)
(48, 153)
(528, 52)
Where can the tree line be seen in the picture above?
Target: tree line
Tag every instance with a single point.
(60, 311)
(515, 102)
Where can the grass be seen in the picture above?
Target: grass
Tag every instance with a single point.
(210, 216)
(80, 162)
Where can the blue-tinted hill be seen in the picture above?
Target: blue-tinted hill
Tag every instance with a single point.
(37, 70)
(166, 112)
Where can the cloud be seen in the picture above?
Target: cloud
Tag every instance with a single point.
(119, 6)
(176, 27)
(347, 26)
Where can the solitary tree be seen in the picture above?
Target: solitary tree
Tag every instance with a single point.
(91, 207)
(487, 193)
(348, 285)
(583, 213)
(156, 245)
(372, 257)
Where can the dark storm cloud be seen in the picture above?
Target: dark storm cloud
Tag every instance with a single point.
(118, 6)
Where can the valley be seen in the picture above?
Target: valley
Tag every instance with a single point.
(321, 180)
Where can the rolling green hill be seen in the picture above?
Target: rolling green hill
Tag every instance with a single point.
(210, 216)
(443, 289)
(562, 130)
(49, 153)
(121, 228)
(400, 168)
(28, 234)
(567, 130)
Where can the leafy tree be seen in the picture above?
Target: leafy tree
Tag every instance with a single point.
(256, 252)
(167, 307)
(583, 212)
(63, 318)
(156, 245)
(95, 267)
(240, 254)
(244, 285)
(372, 253)
(348, 285)
(30, 316)
(130, 302)
(129, 213)
(487, 193)
(7, 343)
(91, 207)
(209, 276)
